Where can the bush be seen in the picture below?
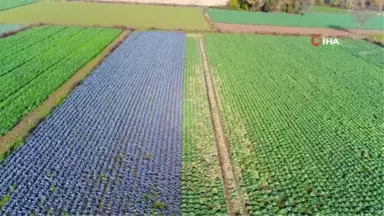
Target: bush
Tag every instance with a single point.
(269, 5)
(287, 8)
(234, 4)
(334, 3)
(245, 6)
(377, 4)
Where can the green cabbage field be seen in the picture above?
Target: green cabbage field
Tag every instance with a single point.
(35, 62)
(304, 123)
(176, 123)
(318, 20)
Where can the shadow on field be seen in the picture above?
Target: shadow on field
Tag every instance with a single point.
(336, 27)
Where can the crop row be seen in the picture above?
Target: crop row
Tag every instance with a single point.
(202, 189)
(40, 68)
(24, 40)
(317, 20)
(4, 28)
(114, 146)
(9, 42)
(304, 123)
(24, 67)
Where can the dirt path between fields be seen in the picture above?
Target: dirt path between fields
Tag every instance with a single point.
(290, 30)
(232, 190)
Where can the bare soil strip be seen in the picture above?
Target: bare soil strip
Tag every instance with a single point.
(16, 136)
(230, 181)
(288, 30)
(209, 20)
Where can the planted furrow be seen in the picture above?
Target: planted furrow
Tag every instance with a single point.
(69, 60)
(232, 190)
(71, 42)
(24, 56)
(29, 41)
(201, 182)
(114, 146)
(9, 42)
(299, 133)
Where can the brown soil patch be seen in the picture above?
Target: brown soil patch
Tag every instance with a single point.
(17, 135)
(289, 30)
(230, 180)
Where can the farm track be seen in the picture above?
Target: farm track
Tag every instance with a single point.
(235, 203)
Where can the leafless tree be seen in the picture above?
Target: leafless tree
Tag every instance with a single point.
(303, 6)
(362, 14)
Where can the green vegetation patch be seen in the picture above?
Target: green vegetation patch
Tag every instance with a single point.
(103, 14)
(378, 37)
(319, 20)
(36, 62)
(305, 124)
(202, 190)
(7, 4)
(4, 28)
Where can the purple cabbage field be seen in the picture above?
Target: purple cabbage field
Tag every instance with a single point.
(114, 146)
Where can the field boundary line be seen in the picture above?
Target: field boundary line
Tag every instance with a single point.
(236, 28)
(14, 138)
(209, 20)
(230, 180)
(124, 27)
(136, 3)
(378, 43)
(9, 33)
(17, 6)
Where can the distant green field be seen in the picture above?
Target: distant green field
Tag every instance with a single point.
(320, 20)
(324, 9)
(103, 14)
(6, 4)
